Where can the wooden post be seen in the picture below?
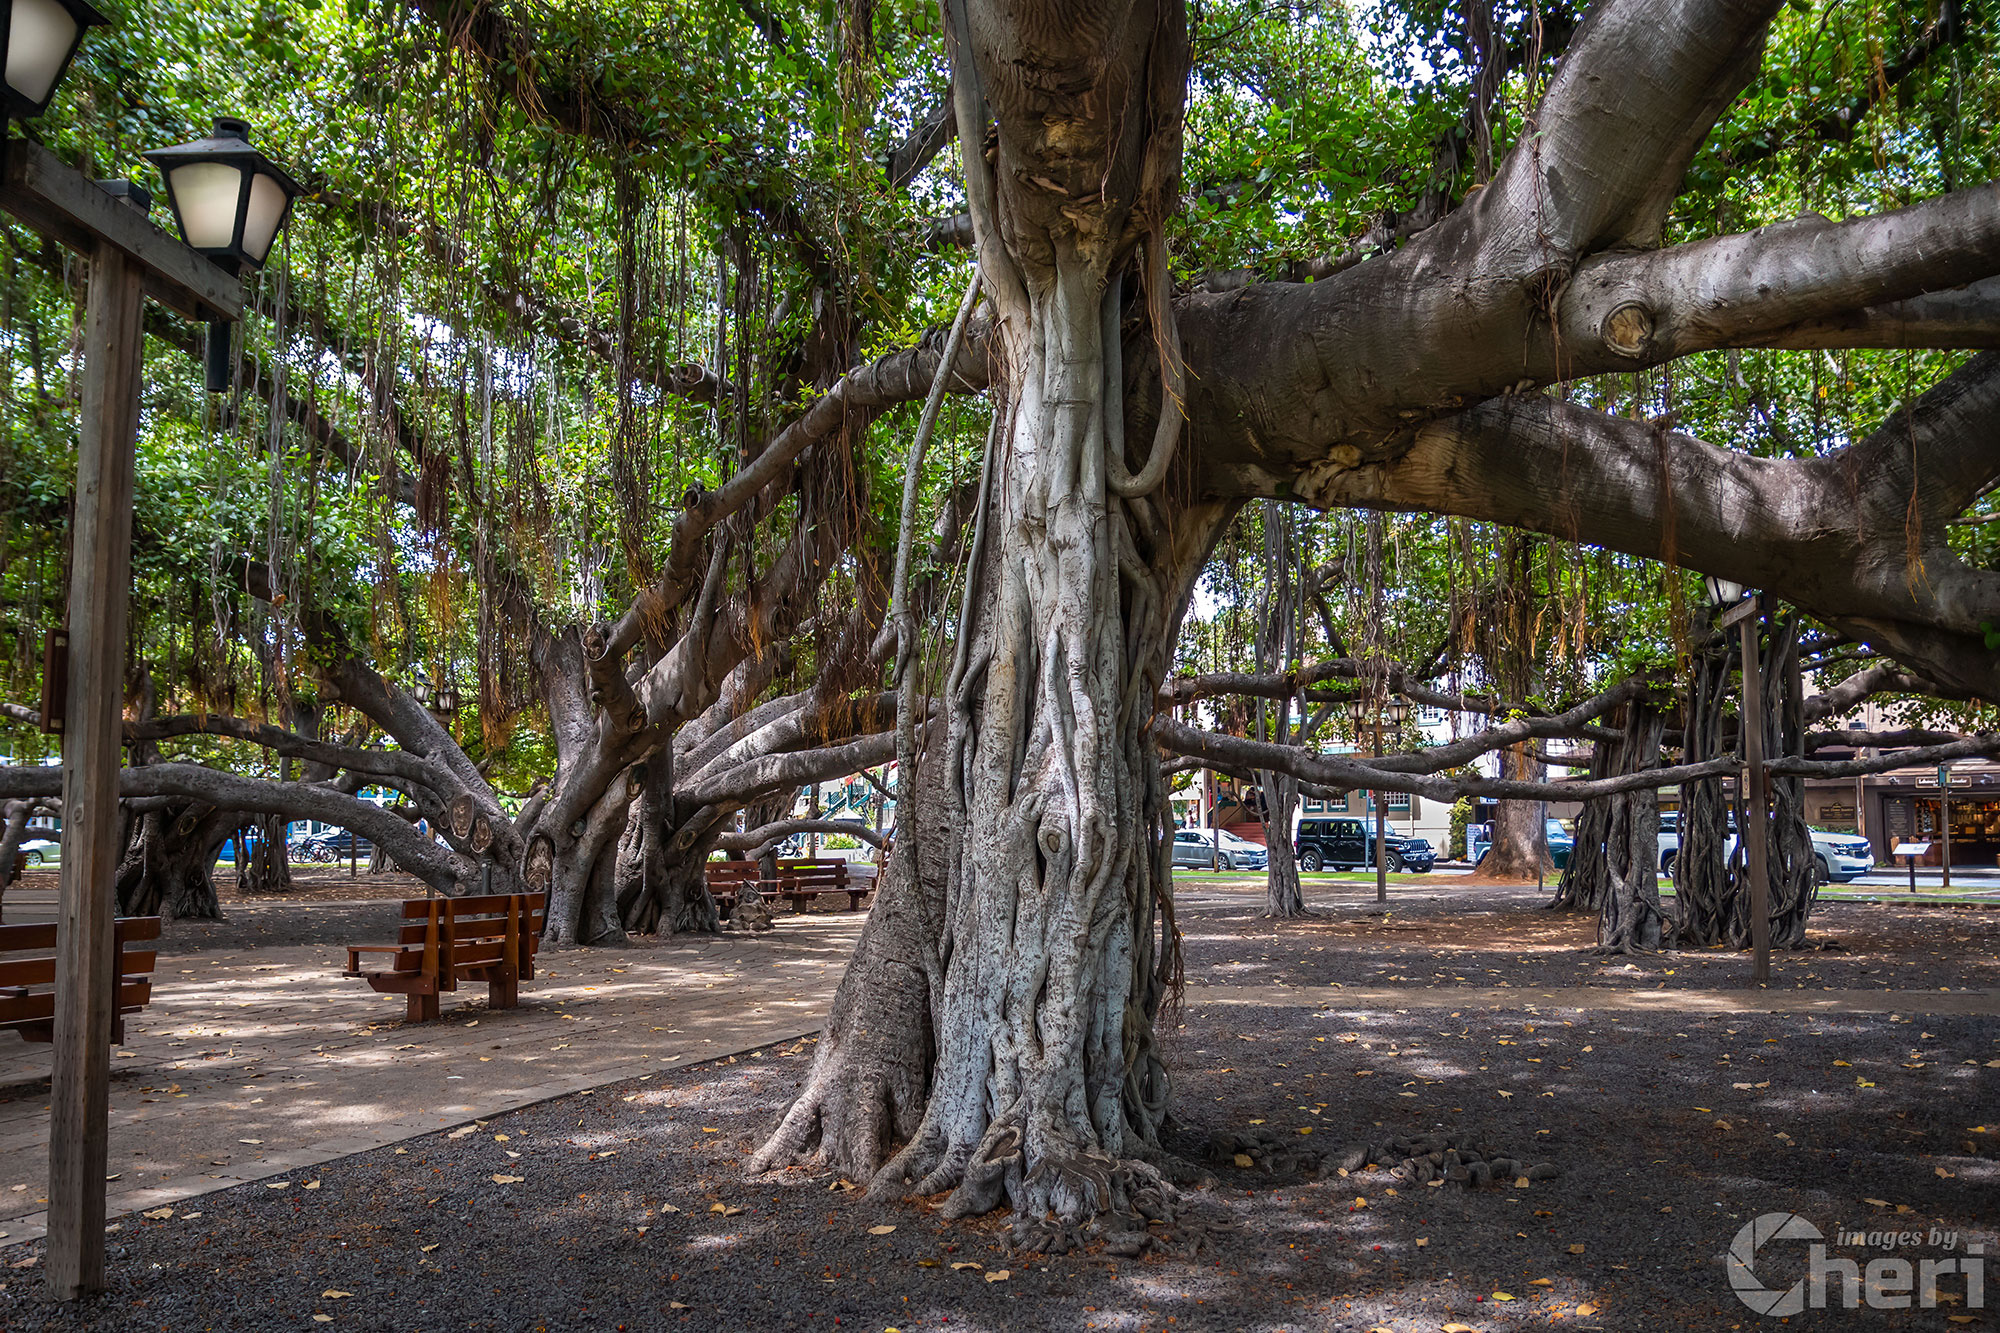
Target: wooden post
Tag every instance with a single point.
(1759, 816)
(1381, 814)
(1944, 822)
(93, 743)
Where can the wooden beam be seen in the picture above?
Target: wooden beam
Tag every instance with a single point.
(93, 750)
(62, 203)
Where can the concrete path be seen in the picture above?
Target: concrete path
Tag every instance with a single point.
(263, 1063)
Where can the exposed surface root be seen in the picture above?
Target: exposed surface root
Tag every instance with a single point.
(1461, 1158)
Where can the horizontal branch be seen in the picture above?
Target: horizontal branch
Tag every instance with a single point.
(395, 767)
(747, 781)
(765, 836)
(1343, 773)
(436, 865)
(1751, 288)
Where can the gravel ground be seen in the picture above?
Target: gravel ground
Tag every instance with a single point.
(628, 1208)
(1492, 936)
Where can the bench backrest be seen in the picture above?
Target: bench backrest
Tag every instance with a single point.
(729, 874)
(817, 873)
(28, 983)
(449, 935)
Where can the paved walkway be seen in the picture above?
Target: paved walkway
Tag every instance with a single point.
(260, 1064)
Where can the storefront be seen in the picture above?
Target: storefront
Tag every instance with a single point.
(1918, 815)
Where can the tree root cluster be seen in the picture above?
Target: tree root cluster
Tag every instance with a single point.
(1461, 1158)
(1141, 1213)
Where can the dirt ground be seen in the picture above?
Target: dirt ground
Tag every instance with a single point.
(627, 1207)
(1494, 935)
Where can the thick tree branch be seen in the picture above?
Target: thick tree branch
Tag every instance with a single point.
(1753, 287)
(765, 836)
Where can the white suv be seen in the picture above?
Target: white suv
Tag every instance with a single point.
(1841, 856)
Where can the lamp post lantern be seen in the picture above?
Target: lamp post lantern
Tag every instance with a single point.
(1728, 598)
(38, 39)
(230, 201)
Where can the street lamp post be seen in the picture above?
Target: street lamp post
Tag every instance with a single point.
(130, 260)
(1370, 706)
(1740, 610)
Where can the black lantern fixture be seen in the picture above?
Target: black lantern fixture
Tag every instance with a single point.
(41, 37)
(230, 201)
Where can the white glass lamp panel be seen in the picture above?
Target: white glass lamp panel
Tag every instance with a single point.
(267, 213)
(206, 194)
(40, 36)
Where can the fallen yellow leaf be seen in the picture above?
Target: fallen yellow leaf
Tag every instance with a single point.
(507, 1180)
(880, 1231)
(1576, 1249)
(331, 1295)
(959, 1268)
(1000, 1275)
(1586, 1308)
(1503, 1296)
(158, 1214)
(1243, 1159)
(1541, 1282)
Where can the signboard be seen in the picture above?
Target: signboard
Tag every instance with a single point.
(1944, 775)
(1910, 849)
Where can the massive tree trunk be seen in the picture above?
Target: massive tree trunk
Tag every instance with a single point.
(169, 864)
(1056, 945)
(1791, 863)
(1629, 918)
(1278, 646)
(1520, 847)
(1702, 886)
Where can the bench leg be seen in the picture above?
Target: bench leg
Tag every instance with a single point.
(422, 1008)
(503, 992)
(854, 897)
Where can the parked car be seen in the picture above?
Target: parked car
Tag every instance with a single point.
(1342, 843)
(335, 845)
(1201, 848)
(38, 850)
(1841, 856)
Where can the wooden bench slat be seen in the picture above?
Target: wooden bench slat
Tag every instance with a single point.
(41, 935)
(478, 905)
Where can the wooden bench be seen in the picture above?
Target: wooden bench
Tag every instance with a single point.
(798, 881)
(28, 985)
(726, 880)
(807, 878)
(447, 940)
